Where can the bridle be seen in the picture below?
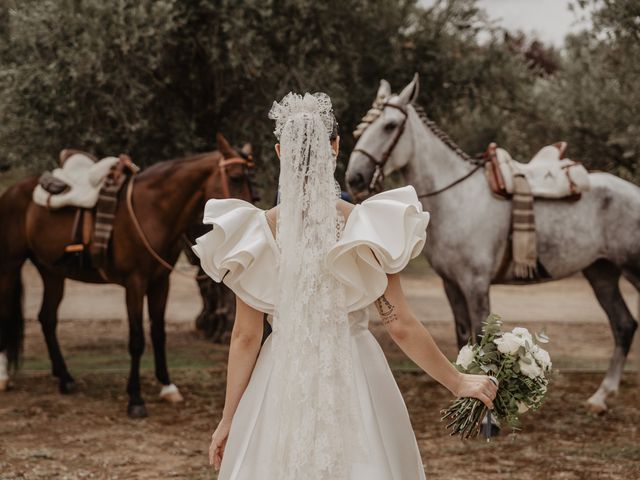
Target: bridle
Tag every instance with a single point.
(378, 174)
(245, 161)
(221, 171)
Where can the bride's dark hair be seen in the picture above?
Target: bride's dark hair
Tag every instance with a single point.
(334, 128)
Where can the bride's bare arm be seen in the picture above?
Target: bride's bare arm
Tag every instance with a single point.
(243, 352)
(417, 343)
(246, 337)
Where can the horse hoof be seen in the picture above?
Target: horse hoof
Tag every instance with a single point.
(597, 407)
(171, 394)
(4, 385)
(137, 411)
(68, 387)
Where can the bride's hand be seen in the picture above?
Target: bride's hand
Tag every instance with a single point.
(481, 387)
(218, 442)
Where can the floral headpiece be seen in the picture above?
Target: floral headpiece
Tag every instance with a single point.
(294, 103)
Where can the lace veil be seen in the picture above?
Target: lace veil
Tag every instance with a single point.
(320, 430)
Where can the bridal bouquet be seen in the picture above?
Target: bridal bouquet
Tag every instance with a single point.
(521, 367)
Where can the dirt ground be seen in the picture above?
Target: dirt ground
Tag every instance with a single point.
(88, 435)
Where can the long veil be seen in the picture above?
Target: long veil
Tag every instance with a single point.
(319, 428)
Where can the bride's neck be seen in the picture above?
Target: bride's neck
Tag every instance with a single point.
(344, 208)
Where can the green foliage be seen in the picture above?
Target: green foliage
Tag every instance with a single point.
(598, 91)
(158, 78)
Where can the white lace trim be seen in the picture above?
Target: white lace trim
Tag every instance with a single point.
(319, 431)
(293, 103)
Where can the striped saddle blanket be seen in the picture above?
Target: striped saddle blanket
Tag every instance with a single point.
(106, 208)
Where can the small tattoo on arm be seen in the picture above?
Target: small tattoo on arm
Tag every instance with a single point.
(386, 310)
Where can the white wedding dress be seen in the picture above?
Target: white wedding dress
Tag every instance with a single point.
(380, 236)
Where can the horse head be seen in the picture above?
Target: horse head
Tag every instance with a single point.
(233, 177)
(385, 143)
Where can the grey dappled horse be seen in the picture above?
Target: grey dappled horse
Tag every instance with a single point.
(469, 231)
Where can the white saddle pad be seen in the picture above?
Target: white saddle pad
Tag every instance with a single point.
(83, 175)
(549, 176)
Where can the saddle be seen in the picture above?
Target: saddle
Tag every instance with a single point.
(92, 187)
(75, 183)
(549, 174)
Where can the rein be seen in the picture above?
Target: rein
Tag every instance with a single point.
(454, 183)
(378, 174)
(222, 164)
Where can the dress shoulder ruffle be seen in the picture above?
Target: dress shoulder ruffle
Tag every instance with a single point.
(381, 235)
(239, 251)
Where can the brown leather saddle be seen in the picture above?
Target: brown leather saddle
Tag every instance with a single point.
(549, 173)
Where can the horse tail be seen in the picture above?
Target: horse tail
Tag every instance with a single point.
(13, 253)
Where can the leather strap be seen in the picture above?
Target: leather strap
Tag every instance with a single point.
(87, 226)
(129, 200)
(143, 237)
(378, 174)
(454, 183)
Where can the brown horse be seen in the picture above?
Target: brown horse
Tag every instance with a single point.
(168, 201)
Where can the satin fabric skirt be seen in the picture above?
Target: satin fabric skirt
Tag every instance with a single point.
(392, 448)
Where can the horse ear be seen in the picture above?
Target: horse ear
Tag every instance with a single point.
(410, 92)
(247, 150)
(224, 146)
(384, 90)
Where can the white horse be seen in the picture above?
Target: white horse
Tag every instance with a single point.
(469, 232)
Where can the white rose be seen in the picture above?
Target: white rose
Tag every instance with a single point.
(465, 357)
(509, 343)
(542, 357)
(523, 333)
(532, 369)
(522, 407)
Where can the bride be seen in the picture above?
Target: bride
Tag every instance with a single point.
(318, 400)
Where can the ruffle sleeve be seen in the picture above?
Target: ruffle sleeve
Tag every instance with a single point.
(238, 251)
(380, 236)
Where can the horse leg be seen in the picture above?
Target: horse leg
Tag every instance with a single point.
(157, 302)
(470, 305)
(11, 320)
(633, 275)
(460, 313)
(604, 278)
(202, 319)
(225, 311)
(48, 318)
(468, 326)
(135, 289)
(4, 371)
(476, 294)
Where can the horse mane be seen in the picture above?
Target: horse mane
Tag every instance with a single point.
(441, 134)
(376, 109)
(166, 167)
